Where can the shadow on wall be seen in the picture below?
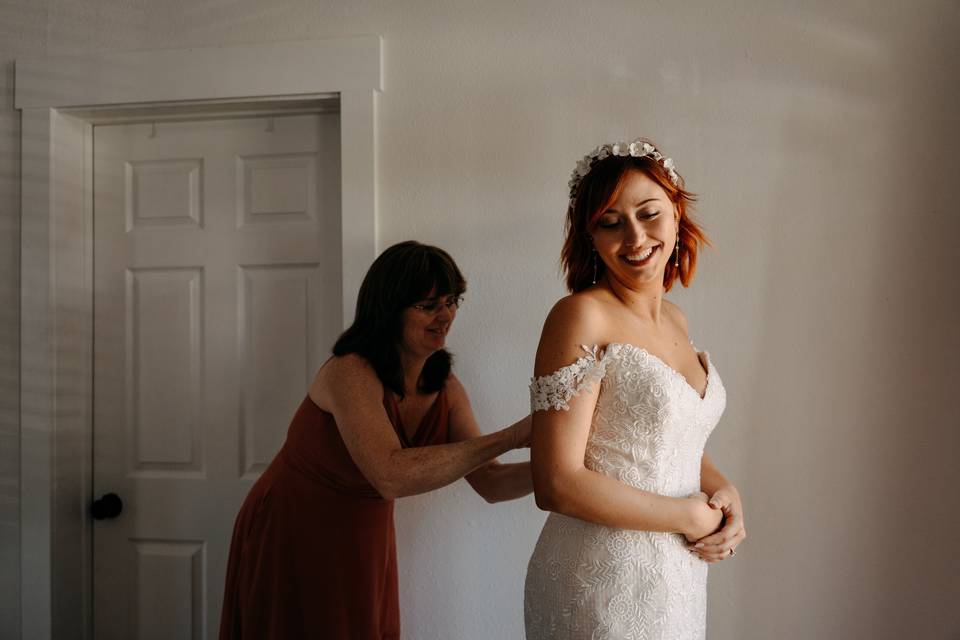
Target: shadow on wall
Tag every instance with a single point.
(852, 428)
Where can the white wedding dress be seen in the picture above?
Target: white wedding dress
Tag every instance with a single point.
(586, 581)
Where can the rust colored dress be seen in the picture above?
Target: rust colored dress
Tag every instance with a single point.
(313, 553)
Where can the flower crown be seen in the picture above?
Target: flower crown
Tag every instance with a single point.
(639, 148)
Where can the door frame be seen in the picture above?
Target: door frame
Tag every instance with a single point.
(59, 98)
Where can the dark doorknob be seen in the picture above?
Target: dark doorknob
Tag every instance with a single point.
(109, 506)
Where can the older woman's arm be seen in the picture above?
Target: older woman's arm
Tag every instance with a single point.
(726, 497)
(497, 482)
(494, 482)
(349, 388)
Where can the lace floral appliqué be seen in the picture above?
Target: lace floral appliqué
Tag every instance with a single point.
(554, 391)
(587, 581)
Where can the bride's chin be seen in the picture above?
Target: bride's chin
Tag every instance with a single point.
(638, 280)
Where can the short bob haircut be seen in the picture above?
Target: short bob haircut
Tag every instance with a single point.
(402, 275)
(597, 191)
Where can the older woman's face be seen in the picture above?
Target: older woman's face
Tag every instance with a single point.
(426, 323)
(635, 236)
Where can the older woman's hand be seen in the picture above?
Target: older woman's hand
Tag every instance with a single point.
(521, 432)
(721, 545)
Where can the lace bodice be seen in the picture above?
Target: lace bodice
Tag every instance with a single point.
(650, 425)
(648, 430)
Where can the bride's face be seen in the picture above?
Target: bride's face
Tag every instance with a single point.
(636, 234)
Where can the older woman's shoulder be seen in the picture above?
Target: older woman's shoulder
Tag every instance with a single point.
(347, 363)
(350, 371)
(456, 392)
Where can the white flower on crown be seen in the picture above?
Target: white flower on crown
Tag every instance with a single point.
(583, 167)
(636, 149)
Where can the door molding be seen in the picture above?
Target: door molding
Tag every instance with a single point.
(60, 99)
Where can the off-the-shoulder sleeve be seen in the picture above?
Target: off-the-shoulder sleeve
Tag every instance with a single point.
(555, 390)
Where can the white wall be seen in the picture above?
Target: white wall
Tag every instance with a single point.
(822, 141)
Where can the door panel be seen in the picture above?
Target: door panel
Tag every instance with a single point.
(216, 297)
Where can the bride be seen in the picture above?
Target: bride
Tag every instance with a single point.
(623, 407)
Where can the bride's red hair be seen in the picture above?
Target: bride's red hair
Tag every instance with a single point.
(596, 192)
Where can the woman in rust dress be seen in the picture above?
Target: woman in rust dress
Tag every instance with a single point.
(313, 553)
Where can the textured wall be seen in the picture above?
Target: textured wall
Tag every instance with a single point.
(822, 143)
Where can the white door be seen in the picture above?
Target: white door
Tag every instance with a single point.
(216, 297)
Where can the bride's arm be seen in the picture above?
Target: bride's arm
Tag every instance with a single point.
(559, 438)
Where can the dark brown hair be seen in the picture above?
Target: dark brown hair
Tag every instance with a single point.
(596, 192)
(399, 277)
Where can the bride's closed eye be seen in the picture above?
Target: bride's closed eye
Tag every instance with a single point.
(613, 222)
(608, 221)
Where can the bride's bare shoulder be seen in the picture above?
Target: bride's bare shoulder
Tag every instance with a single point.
(575, 320)
(676, 316)
(575, 308)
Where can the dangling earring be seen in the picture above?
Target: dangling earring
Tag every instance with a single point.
(594, 265)
(676, 259)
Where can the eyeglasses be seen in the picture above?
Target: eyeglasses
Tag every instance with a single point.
(434, 305)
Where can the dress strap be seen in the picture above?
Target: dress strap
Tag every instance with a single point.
(393, 413)
(554, 391)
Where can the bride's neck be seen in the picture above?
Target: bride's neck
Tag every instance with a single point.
(646, 302)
